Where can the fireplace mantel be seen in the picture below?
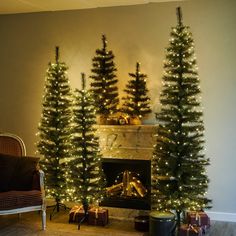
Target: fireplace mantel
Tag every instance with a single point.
(126, 141)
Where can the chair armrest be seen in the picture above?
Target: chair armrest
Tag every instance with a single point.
(38, 179)
(42, 189)
(41, 180)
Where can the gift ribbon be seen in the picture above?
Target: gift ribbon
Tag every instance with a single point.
(198, 218)
(197, 231)
(96, 211)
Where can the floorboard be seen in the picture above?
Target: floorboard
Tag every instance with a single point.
(29, 224)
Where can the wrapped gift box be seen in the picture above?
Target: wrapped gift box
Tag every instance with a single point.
(76, 214)
(98, 216)
(198, 218)
(190, 230)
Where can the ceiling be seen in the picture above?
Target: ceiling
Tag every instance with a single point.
(24, 6)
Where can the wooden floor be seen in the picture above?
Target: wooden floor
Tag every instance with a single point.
(29, 224)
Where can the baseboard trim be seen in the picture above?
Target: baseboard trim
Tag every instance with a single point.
(222, 216)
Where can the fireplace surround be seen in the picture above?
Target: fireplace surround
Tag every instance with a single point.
(127, 148)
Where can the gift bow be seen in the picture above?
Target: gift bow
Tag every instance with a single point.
(197, 217)
(76, 209)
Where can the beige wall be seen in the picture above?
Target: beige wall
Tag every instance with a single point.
(135, 33)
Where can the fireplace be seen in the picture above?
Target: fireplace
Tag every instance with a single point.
(128, 183)
(127, 151)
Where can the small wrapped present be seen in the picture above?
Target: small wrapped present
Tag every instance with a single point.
(98, 216)
(198, 218)
(76, 214)
(190, 230)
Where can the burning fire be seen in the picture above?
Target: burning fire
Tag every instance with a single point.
(130, 186)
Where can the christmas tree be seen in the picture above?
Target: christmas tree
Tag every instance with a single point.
(136, 103)
(54, 129)
(179, 180)
(104, 81)
(85, 168)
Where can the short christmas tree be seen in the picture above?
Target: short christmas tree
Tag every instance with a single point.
(179, 179)
(104, 81)
(136, 102)
(54, 129)
(86, 166)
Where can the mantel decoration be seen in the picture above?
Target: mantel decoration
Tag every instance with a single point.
(85, 169)
(55, 129)
(104, 83)
(179, 179)
(136, 103)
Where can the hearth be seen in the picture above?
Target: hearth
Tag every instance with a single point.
(128, 183)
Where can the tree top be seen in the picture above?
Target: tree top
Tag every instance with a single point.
(57, 53)
(138, 66)
(83, 81)
(104, 40)
(179, 16)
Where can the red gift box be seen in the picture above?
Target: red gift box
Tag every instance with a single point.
(76, 214)
(98, 216)
(198, 218)
(190, 230)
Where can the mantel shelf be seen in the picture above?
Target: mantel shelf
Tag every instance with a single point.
(127, 141)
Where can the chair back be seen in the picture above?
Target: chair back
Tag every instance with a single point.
(11, 144)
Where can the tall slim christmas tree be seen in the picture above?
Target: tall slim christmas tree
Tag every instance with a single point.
(179, 179)
(54, 129)
(104, 81)
(136, 102)
(85, 168)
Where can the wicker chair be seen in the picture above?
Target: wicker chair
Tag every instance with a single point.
(16, 199)
(12, 145)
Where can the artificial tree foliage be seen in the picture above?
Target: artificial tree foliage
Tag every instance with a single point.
(104, 81)
(136, 102)
(55, 129)
(86, 174)
(179, 178)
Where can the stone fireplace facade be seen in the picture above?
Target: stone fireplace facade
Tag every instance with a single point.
(128, 144)
(127, 141)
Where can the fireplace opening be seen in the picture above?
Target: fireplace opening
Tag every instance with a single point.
(128, 183)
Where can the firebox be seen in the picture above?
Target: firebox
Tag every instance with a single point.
(128, 183)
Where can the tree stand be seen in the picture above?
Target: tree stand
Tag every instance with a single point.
(85, 206)
(56, 208)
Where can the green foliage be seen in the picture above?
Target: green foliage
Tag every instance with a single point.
(86, 175)
(104, 82)
(136, 102)
(54, 128)
(179, 179)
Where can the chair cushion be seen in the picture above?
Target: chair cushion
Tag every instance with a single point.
(7, 167)
(19, 199)
(22, 177)
(16, 173)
